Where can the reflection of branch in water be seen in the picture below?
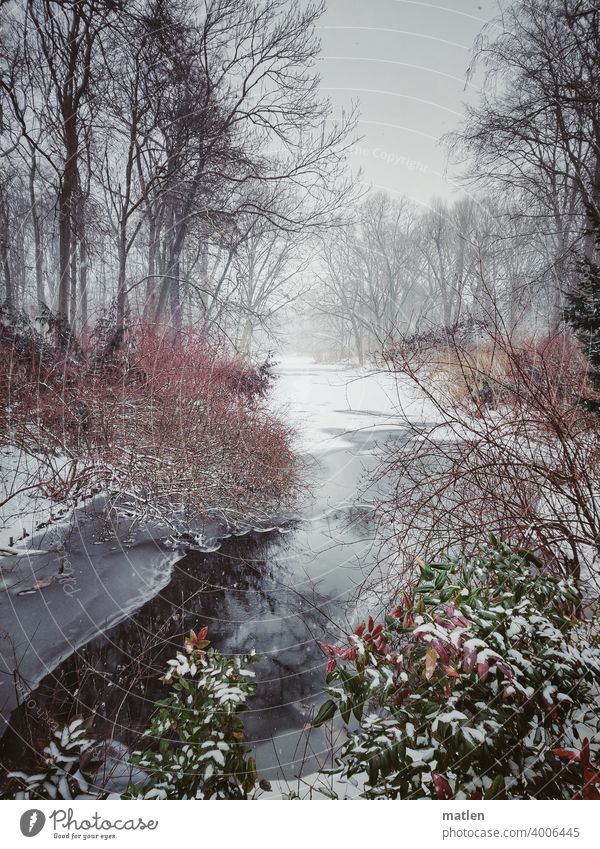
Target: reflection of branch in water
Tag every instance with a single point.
(116, 676)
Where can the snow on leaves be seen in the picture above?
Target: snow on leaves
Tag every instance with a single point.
(198, 748)
(468, 686)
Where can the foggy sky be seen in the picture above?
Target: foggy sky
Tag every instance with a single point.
(406, 62)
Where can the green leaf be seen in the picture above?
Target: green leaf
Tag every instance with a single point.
(373, 770)
(357, 709)
(326, 712)
(440, 580)
(497, 790)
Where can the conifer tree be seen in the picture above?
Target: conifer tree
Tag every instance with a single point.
(582, 313)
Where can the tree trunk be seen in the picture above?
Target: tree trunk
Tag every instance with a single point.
(170, 285)
(175, 291)
(592, 233)
(83, 277)
(153, 231)
(37, 237)
(9, 295)
(68, 188)
(73, 282)
(64, 251)
(121, 279)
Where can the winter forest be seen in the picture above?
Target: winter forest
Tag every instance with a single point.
(299, 400)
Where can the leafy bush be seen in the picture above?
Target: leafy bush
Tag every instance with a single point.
(197, 749)
(200, 750)
(483, 684)
(64, 770)
(583, 315)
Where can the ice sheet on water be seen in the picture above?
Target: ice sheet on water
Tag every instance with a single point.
(325, 401)
(54, 603)
(24, 500)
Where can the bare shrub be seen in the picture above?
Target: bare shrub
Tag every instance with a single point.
(511, 450)
(160, 419)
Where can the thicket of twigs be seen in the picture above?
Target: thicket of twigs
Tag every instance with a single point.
(160, 419)
(513, 450)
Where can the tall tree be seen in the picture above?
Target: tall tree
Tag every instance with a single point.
(536, 129)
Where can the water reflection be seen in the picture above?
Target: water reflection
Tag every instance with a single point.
(272, 592)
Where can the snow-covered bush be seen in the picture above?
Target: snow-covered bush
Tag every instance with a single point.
(65, 770)
(198, 742)
(165, 422)
(482, 684)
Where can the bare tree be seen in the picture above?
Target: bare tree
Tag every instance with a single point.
(269, 269)
(253, 117)
(150, 135)
(368, 280)
(49, 78)
(536, 130)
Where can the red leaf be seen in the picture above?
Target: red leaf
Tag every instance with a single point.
(202, 633)
(441, 650)
(431, 659)
(377, 630)
(591, 792)
(469, 658)
(482, 670)
(567, 754)
(585, 752)
(506, 670)
(371, 623)
(360, 630)
(329, 650)
(442, 788)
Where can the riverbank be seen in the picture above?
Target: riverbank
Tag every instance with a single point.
(276, 591)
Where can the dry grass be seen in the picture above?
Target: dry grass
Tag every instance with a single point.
(477, 374)
(491, 373)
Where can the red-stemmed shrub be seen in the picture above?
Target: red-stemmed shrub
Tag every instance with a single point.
(161, 419)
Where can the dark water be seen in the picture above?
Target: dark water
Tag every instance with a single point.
(275, 592)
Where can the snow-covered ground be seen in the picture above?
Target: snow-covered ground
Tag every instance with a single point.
(24, 499)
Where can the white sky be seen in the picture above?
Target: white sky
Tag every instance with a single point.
(406, 62)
